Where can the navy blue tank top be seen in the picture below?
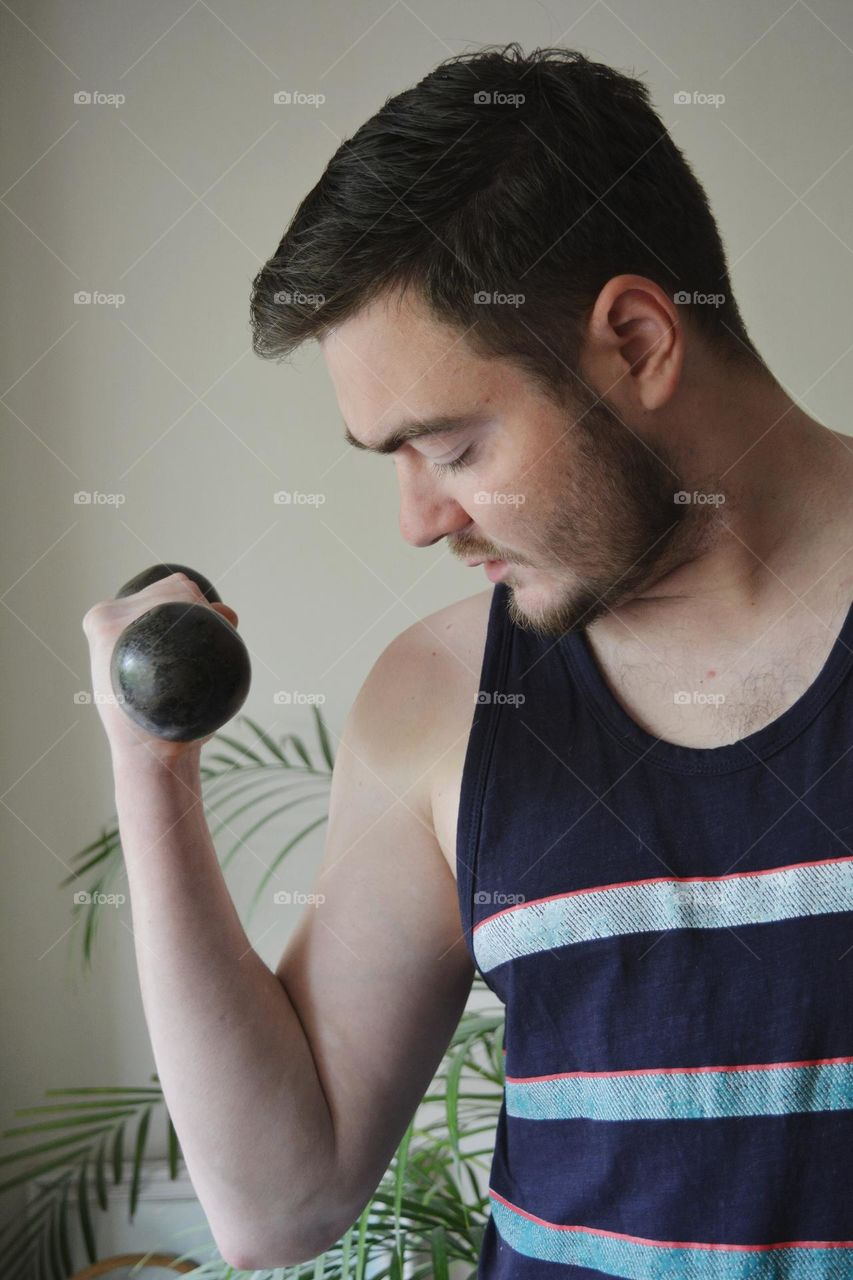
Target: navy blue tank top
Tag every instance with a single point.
(670, 930)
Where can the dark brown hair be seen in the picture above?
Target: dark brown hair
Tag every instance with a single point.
(504, 174)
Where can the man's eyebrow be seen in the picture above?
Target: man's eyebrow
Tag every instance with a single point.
(412, 430)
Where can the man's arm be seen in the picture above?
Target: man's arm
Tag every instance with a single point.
(378, 972)
(291, 1090)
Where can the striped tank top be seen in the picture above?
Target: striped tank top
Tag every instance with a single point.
(670, 930)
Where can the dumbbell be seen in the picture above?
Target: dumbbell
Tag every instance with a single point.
(181, 670)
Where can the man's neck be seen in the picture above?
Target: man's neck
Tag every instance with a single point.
(787, 483)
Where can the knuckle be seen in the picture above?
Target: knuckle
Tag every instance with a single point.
(184, 581)
(91, 616)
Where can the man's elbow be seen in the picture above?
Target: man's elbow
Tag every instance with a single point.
(253, 1256)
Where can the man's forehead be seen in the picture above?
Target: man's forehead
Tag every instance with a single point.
(393, 361)
(395, 343)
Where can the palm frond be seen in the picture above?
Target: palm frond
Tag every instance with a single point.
(429, 1210)
(85, 1124)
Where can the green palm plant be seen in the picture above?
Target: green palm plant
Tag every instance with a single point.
(428, 1211)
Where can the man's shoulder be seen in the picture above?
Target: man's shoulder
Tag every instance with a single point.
(447, 645)
(427, 676)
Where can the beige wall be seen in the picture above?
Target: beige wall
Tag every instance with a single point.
(173, 199)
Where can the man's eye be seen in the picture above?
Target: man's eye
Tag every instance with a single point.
(461, 461)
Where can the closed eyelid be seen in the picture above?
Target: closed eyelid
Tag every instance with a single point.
(453, 444)
(447, 452)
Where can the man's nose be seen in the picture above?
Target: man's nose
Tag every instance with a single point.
(427, 513)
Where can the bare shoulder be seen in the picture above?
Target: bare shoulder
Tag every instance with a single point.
(456, 633)
(432, 664)
(445, 652)
(416, 706)
(446, 648)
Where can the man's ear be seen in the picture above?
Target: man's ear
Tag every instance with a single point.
(634, 347)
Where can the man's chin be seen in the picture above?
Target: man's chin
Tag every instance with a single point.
(549, 604)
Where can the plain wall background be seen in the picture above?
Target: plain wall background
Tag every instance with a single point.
(174, 199)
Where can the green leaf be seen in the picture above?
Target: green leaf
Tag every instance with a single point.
(50, 1146)
(438, 1247)
(75, 1106)
(57, 1262)
(106, 834)
(454, 1074)
(19, 1248)
(174, 1147)
(229, 760)
(346, 1245)
(118, 1154)
(273, 867)
(45, 1264)
(85, 1214)
(68, 1123)
(139, 1152)
(89, 935)
(300, 749)
(274, 788)
(399, 1181)
(361, 1253)
(108, 849)
(61, 1163)
(101, 1175)
(103, 1089)
(322, 734)
(238, 746)
(270, 745)
(64, 1243)
(244, 838)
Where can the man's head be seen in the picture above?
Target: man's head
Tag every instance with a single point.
(514, 239)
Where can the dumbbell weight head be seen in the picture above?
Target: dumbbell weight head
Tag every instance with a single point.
(158, 571)
(180, 670)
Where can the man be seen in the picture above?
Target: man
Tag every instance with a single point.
(657, 772)
(633, 750)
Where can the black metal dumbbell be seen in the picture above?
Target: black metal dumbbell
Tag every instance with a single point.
(181, 670)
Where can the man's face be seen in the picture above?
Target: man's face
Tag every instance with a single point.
(574, 501)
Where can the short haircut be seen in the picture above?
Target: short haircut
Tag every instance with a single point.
(503, 176)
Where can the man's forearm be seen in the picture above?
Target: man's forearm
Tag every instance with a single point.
(235, 1065)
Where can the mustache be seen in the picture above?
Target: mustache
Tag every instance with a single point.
(474, 553)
